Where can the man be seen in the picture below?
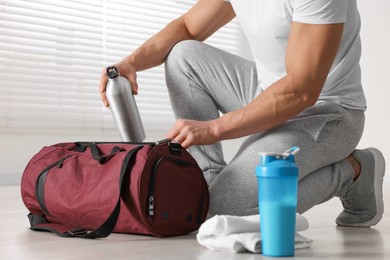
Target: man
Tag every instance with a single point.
(302, 90)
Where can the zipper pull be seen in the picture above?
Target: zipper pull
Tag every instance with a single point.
(151, 205)
(61, 161)
(167, 140)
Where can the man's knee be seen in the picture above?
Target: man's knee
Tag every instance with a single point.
(181, 52)
(184, 47)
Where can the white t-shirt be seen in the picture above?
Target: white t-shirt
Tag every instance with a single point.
(267, 24)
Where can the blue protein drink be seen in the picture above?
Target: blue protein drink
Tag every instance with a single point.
(277, 177)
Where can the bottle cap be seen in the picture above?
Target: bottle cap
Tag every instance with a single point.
(112, 72)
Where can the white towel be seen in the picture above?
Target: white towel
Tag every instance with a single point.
(237, 234)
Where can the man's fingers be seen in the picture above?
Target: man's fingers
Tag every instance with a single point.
(133, 82)
(104, 99)
(103, 81)
(102, 87)
(173, 133)
(182, 140)
(186, 143)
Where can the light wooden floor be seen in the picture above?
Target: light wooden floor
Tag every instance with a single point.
(18, 242)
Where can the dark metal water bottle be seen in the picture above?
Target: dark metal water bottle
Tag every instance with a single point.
(123, 107)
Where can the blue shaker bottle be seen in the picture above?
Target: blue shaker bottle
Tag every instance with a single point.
(277, 177)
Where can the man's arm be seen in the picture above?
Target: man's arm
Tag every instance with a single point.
(309, 57)
(201, 21)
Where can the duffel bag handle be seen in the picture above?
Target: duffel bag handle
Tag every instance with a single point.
(96, 154)
(39, 223)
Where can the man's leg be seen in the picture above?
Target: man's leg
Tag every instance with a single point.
(326, 134)
(202, 82)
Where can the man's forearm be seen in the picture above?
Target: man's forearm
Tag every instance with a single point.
(154, 51)
(201, 21)
(280, 102)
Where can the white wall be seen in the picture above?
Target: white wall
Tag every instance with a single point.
(16, 150)
(375, 64)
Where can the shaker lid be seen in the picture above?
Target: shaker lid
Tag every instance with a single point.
(266, 157)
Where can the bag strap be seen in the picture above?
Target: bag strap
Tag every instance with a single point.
(81, 147)
(39, 223)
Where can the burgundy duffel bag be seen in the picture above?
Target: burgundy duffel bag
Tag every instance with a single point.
(92, 189)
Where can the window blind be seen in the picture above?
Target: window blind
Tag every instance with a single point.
(52, 54)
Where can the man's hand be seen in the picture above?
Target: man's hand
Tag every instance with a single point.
(190, 132)
(127, 70)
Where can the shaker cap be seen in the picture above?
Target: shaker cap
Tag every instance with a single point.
(267, 157)
(275, 165)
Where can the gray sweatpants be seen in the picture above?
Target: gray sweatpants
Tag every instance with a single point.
(204, 81)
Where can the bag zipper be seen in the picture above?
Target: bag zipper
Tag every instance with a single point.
(200, 212)
(82, 143)
(153, 144)
(152, 182)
